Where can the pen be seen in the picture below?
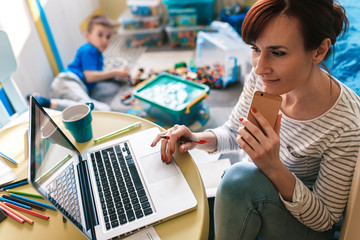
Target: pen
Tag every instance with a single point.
(27, 211)
(20, 220)
(120, 131)
(25, 194)
(8, 158)
(184, 139)
(32, 201)
(28, 220)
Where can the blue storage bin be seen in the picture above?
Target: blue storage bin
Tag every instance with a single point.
(182, 17)
(204, 8)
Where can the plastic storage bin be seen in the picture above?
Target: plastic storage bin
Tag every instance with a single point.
(204, 8)
(143, 37)
(144, 8)
(185, 37)
(182, 17)
(226, 48)
(131, 22)
(172, 100)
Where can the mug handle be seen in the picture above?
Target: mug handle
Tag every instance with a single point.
(91, 105)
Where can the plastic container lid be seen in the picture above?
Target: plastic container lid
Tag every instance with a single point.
(171, 93)
(143, 2)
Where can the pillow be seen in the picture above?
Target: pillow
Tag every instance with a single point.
(345, 66)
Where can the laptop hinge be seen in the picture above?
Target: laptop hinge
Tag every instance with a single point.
(87, 198)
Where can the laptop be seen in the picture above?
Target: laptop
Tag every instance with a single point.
(109, 190)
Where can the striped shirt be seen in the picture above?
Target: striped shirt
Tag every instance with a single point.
(321, 153)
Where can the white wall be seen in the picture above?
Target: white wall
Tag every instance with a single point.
(34, 73)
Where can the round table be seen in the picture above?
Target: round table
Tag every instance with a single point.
(14, 143)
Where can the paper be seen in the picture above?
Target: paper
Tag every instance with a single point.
(211, 173)
(6, 174)
(201, 156)
(146, 234)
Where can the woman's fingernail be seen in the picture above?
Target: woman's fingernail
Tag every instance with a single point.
(162, 157)
(253, 109)
(241, 119)
(171, 152)
(152, 144)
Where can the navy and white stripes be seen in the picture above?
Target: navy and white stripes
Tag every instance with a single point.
(321, 153)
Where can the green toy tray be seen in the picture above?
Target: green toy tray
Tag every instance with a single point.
(171, 93)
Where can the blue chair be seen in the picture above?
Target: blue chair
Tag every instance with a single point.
(12, 103)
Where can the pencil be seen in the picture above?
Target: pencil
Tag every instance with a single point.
(27, 211)
(13, 183)
(184, 139)
(8, 158)
(20, 220)
(32, 205)
(25, 194)
(15, 203)
(28, 220)
(32, 201)
(117, 132)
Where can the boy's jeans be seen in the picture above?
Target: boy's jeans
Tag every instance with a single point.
(248, 206)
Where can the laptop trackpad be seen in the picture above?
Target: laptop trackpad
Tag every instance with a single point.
(155, 169)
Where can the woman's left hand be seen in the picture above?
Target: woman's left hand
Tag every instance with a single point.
(262, 147)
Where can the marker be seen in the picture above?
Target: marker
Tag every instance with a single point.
(184, 139)
(32, 201)
(27, 211)
(28, 220)
(25, 194)
(117, 132)
(8, 158)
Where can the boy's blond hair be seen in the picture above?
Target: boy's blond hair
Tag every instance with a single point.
(101, 20)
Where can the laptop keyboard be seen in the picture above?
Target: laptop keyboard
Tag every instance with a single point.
(63, 194)
(121, 191)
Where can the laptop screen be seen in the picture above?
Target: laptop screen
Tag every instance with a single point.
(51, 159)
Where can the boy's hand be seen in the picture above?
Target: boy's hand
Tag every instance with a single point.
(122, 73)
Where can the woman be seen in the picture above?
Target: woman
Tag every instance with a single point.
(298, 182)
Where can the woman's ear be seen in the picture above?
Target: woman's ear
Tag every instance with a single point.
(321, 51)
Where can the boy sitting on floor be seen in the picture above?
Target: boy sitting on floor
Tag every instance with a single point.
(75, 84)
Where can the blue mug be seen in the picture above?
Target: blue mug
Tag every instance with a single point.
(77, 119)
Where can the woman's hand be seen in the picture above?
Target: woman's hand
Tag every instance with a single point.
(168, 145)
(262, 147)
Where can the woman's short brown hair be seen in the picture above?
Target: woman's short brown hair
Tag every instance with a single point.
(319, 19)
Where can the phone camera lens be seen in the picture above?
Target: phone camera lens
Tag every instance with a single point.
(262, 94)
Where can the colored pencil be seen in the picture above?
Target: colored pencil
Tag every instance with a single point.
(32, 201)
(184, 139)
(117, 132)
(15, 203)
(32, 205)
(27, 211)
(12, 183)
(25, 194)
(8, 158)
(28, 220)
(20, 220)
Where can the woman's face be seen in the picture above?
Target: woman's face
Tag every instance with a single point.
(279, 57)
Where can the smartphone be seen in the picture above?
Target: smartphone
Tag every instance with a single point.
(268, 105)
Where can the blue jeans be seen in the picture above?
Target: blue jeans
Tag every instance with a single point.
(248, 206)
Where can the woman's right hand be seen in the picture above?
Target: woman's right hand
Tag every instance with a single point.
(168, 145)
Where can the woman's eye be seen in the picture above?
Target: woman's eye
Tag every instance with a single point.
(278, 53)
(255, 49)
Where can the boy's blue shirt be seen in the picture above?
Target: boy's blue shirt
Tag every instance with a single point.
(87, 57)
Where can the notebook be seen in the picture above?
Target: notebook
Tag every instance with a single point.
(109, 190)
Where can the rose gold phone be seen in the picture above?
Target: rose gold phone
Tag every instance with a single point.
(268, 105)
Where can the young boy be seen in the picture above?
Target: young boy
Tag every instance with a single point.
(74, 85)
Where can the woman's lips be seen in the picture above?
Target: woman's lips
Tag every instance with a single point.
(269, 81)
